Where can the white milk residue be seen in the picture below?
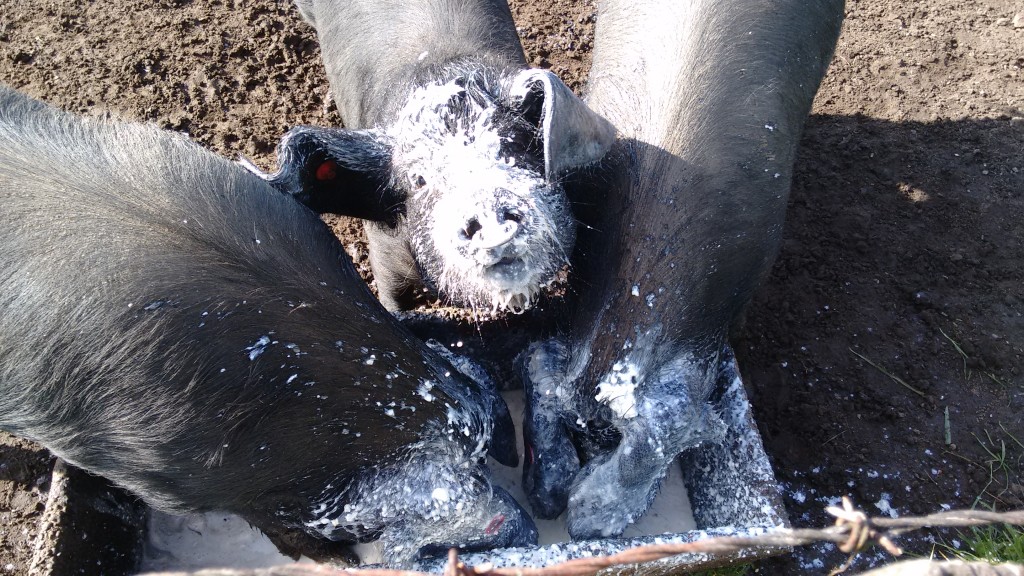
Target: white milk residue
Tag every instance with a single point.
(617, 388)
(212, 540)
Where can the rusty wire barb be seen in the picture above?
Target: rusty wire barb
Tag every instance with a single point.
(862, 530)
(853, 532)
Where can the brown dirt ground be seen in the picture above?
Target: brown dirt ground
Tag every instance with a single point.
(902, 255)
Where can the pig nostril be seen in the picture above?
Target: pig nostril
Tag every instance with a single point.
(510, 216)
(471, 229)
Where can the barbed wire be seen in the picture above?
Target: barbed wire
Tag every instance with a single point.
(853, 532)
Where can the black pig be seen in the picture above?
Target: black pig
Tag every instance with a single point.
(173, 324)
(473, 144)
(709, 98)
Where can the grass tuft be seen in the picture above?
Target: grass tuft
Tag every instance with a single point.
(993, 544)
(1000, 543)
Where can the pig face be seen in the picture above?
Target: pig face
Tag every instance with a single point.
(486, 227)
(466, 177)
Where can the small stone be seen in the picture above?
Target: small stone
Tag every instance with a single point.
(1018, 20)
(1002, 21)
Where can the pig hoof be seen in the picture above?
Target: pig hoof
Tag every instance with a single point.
(551, 461)
(601, 505)
(547, 476)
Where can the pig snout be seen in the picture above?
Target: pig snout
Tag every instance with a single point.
(487, 236)
(487, 231)
(496, 246)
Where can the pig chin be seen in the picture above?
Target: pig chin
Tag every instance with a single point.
(514, 283)
(507, 282)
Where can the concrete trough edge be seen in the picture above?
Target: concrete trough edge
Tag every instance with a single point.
(88, 526)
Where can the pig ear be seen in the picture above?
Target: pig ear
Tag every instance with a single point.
(338, 171)
(573, 134)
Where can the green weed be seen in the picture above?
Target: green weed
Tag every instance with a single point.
(998, 543)
(993, 544)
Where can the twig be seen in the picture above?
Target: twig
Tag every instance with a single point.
(945, 426)
(963, 355)
(897, 379)
(834, 436)
(1012, 437)
(965, 459)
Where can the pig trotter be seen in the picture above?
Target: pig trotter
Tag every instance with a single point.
(614, 490)
(551, 461)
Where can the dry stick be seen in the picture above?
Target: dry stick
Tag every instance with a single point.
(945, 426)
(963, 354)
(834, 436)
(965, 459)
(895, 378)
(1012, 437)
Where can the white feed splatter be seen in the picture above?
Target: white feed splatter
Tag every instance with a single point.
(424, 391)
(258, 347)
(617, 389)
(885, 507)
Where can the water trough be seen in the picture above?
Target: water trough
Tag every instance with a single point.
(730, 487)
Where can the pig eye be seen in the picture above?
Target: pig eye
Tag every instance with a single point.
(417, 181)
(327, 170)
